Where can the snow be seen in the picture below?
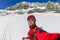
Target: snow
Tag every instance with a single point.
(11, 26)
(14, 27)
(42, 7)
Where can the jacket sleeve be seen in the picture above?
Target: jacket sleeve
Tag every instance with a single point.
(41, 34)
(46, 35)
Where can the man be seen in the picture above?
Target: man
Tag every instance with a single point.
(36, 33)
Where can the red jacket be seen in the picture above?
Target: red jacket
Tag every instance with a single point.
(42, 35)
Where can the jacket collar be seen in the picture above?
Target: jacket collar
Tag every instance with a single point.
(32, 26)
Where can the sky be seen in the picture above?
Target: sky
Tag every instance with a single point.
(7, 3)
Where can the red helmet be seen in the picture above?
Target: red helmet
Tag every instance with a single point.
(31, 17)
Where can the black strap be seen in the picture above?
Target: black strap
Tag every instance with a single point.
(34, 34)
(41, 31)
(31, 36)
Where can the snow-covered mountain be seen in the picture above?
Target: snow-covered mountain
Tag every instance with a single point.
(26, 5)
(27, 8)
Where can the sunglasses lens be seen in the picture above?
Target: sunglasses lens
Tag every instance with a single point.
(31, 19)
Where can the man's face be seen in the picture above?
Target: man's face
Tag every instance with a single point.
(31, 22)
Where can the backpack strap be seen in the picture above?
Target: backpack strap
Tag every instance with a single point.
(34, 34)
(31, 36)
(41, 31)
(35, 30)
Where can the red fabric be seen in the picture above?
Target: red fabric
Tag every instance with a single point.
(44, 35)
(34, 38)
(31, 31)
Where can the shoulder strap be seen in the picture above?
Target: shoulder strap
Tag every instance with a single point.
(41, 31)
(35, 32)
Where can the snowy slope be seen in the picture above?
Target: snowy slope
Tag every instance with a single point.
(14, 27)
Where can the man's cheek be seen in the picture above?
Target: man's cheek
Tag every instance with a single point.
(29, 23)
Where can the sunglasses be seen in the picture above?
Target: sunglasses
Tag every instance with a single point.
(31, 19)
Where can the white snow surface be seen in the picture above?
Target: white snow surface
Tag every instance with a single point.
(14, 27)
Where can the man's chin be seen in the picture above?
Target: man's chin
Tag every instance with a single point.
(30, 25)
